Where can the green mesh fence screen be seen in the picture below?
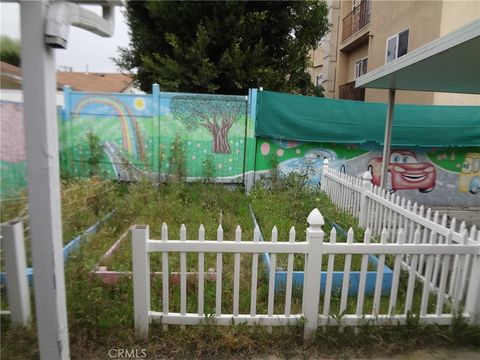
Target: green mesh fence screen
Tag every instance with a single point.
(303, 118)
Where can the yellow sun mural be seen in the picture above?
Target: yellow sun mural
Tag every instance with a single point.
(139, 103)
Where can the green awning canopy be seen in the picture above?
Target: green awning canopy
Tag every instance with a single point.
(305, 118)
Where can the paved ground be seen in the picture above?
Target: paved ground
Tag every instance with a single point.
(425, 354)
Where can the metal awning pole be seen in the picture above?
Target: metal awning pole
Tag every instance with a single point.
(388, 138)
(41, 132)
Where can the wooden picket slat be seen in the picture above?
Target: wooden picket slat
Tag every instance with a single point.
(441, 240)
(253, 299)
(289, 284)
(411, 276)
(271, 278)
(183, 273)
(428, 276)
(165, 294)
(236, 273)
(346, 271)
(328, 284)
(443, 277)
(379, 278)
(201, 273)
(453, 225)
(363, 278)
(396, 276)
(425, 236)
(460, 272)
(218, 288)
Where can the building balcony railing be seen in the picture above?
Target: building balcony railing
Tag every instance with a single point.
(356, 20)
(349, 92)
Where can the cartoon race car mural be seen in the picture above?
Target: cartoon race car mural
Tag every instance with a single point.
(469, 178)
(406, 172)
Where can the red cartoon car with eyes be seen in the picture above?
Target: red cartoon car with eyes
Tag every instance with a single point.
(406, 172)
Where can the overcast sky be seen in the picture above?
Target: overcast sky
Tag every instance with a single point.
(84, 48)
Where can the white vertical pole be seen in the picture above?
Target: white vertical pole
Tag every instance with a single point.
(39, 88)
(141, 279)
(388, 137)
(366, 186)
(311, 296)
(16, 269)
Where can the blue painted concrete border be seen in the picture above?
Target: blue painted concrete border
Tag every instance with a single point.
(72, 245)
(337, 278)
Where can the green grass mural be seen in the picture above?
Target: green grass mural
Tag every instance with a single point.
(451, 159)
(275, 151)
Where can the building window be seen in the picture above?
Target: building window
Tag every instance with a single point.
(397, 46)
(361, 67)
(319, 80)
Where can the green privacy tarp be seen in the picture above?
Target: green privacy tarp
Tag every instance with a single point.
(305, 118)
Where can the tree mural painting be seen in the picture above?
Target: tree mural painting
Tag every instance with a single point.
(216, 114)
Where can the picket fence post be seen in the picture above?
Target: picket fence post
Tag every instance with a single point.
(141, 279)
(324, 171)
(472, 304)
(366, 186)
(18, 294)
(313, 269)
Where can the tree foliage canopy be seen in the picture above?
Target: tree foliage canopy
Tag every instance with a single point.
(223, 47)
(9, 50)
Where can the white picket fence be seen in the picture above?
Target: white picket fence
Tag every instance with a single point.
(378, 209)
(18, 294)
(316, 251)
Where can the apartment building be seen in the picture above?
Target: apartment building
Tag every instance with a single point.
(366, 34)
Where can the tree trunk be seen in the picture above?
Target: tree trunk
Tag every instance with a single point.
(220, 141)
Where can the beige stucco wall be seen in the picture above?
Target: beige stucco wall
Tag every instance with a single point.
(422, 18)
(458, 13)
(426, 21)
(330, 47)
(456, 99)
(316, 58)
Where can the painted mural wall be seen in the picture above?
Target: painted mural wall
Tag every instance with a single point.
(140, 135)
(156, 134)
(430, 176)
(143, 135)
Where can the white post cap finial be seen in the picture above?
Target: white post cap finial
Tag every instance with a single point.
(325, 161)
(315, 219)
(367, 176)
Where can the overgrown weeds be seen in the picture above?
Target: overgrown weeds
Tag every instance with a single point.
(101, 316)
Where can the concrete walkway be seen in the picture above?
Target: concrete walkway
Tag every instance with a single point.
(422, 354)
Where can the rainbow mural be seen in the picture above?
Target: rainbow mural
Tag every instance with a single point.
(132, 141)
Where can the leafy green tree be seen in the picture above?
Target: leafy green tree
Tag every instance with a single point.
(223, 46)
(9, 50)
(215, 115)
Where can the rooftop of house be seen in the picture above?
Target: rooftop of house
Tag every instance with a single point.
(95, 82)
(78, 81)
(9, 69)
